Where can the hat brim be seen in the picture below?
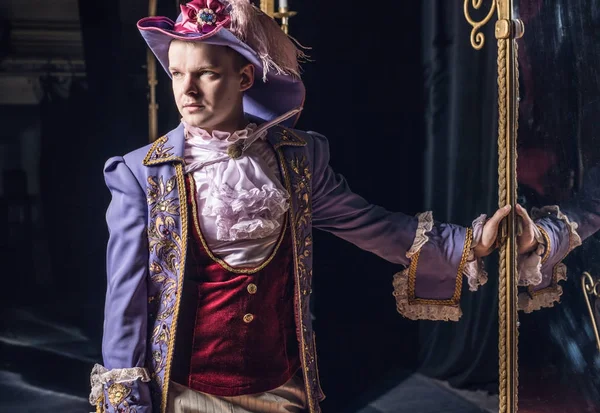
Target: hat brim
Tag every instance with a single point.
(264, 100)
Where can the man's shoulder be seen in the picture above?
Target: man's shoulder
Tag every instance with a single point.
(131, 159)
(314, 140)
(138, 155)
(309, 136)
(135, 160)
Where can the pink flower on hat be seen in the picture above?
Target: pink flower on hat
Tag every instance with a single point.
(202, 16)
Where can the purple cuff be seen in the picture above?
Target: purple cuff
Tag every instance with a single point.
(430, 287)
(560, 237)
(120, 390)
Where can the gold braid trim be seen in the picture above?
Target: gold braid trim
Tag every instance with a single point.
(502, 198)
(516, 153)
(222, 262)
(546, 297)
(548, 244)
(415, 308)
(184, 234)
(100, 404)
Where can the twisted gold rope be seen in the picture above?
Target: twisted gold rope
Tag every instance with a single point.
(516, 153)
(502, 198)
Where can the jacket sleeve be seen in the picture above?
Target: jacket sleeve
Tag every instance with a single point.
(436, 254)
(563, 229)
(122, 383)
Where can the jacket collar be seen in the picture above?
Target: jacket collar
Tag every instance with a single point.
(167, 148)
(170, 147)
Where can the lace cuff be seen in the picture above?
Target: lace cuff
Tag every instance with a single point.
(474, 268)
(530, 265)
(546, 297)
(424, 226)
(420, 311)
(117, 386)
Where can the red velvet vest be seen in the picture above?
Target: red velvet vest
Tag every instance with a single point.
(243, 334)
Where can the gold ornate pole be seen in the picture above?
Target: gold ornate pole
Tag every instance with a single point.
(507, 293)
(283, 13)
(268, 6)
(152, 82)
(506, 31)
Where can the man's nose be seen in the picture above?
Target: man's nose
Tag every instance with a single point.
(190, 86)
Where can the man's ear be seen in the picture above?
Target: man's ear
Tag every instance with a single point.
(246, 77)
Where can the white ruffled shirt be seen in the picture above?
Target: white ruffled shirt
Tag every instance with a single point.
(241, 202)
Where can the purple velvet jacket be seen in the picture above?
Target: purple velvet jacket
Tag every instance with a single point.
(147, 221)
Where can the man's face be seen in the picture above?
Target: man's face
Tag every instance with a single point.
(208, 84)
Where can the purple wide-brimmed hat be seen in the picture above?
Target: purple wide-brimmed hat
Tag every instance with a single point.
(246, 29)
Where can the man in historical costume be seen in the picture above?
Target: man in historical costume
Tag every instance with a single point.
(210, 252)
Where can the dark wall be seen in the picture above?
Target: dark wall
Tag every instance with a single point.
(365, 90)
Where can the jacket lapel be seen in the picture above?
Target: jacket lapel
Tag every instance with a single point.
(168, 148)
(167, 237)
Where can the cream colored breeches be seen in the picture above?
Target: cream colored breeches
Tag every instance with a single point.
(289, 398)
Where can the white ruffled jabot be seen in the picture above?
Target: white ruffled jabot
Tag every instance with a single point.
(244, 196)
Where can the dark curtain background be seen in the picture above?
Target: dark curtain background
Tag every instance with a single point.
(461, 183)
(365, 94)
(115, 122)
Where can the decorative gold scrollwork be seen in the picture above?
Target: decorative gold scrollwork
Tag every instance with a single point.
(591, 287)
(478, 38)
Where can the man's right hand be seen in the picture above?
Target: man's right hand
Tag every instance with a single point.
(526, 241)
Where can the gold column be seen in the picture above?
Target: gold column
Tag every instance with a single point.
(283, 13)
(268, 6)
(507, 30)
(152, 82)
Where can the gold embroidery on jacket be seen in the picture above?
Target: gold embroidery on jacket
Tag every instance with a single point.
(297, 177)
(167, 244)
(117, 392)
(158, 152)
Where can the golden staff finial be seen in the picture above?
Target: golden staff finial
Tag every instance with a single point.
(283, 13)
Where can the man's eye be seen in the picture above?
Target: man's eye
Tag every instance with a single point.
(176, 74)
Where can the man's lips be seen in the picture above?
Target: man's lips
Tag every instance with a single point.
(193, 107)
